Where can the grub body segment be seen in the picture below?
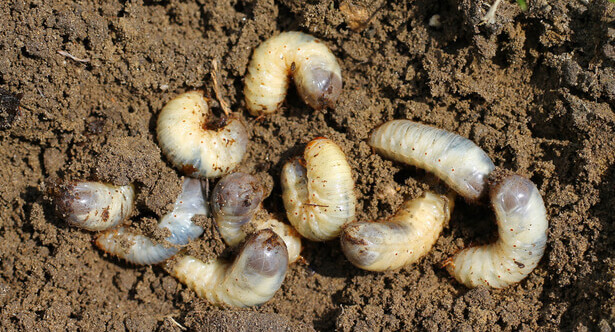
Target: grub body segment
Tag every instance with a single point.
(312, 66)
(319, 197)
(522, 236)
(456, 160)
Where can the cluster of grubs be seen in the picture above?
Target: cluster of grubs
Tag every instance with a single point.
(317, 190)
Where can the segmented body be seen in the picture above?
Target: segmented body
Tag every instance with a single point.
(253, 278)
(91, 205)
(319, 197)
(313, 67)
(189, 141)
(142, 250)
(522, 229)
(235, 200)
(400, 240)
(455, 159)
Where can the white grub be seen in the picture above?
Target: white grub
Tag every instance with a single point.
(400, 240)
(253, 278)
(522, 229)
(314, 69)
(235, 201)
(190, 141)
(456, 160)
(141, 250)
(93, 206)
(318, 191)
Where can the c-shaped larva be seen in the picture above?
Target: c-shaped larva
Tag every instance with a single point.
(400, 240)
(140, 249)
(252, 279)
(455, 159)
(522, 229)
(234, 202)
(93, 206)
(311, 64)
(319, 197)
(188, 138)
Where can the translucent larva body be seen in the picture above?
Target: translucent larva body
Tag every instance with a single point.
(93, 206)
(311, 64)
(455, 159)
(235, 200)
(252, 279)
(400, 240)
(319, 197)
(522, 229)
(291, 238)
(195, 147)
(141, 250)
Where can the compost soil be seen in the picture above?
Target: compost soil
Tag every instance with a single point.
(535, 89)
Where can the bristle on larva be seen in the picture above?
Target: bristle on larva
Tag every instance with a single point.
(313, 67)
(522, 229)
(319, 197)
(400, 240)
(456, 160)
(253, 278)
(94, 206)
(141, 250)
(235, 200)
(192, 144)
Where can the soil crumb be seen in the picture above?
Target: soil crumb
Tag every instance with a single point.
(242, 321)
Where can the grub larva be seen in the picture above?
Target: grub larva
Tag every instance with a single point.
(253, 278)
(141, 250)
(235, 201)
(319, 197)
(522, 229)
(314, 69)
(91, 205)
(400, 240)
(189, 139)
(455, 159)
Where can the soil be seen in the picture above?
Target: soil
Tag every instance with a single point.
(535, 89)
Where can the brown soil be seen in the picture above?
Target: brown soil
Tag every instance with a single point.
(536, 90)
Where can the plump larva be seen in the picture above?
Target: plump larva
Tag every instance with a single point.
(235, 200)
(252, 279)
(400, 240)
(188, 138)
(522, 228)
(93, 206)
(455, 159)
(319, 197)
(140, 249)
(311, 64)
